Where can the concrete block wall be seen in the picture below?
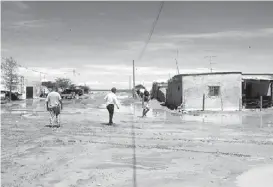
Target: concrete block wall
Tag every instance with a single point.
(194, 86)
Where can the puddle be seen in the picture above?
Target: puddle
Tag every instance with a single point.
(157, 113)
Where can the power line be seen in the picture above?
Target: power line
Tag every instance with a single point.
(152, 31)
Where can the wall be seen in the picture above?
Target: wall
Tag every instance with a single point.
(174, 95)
(194, 86)
(153, 92)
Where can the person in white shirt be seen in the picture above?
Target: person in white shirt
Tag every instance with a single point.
(54, 105)
(111, 101)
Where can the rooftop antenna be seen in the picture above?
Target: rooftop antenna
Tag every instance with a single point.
(210, 63)
(177, 62)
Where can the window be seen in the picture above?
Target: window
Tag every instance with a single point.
(214, 90)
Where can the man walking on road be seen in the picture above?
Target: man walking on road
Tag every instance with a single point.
(54, 105)
(111, 101)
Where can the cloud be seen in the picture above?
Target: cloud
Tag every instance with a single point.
(226, 34)
(108, 67)
(121, 69)
(21, 5)
(4, 50)
(33, 23)
(16, 4)
(29, 24)
(93, 83)
(30, 71)
(102, 14)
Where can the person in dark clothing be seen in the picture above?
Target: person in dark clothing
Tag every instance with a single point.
(111, 109)
(145, 103)
(111, 101)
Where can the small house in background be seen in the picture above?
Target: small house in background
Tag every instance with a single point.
(159, 90)
(30, 89)
(205, 91)
(226, 91)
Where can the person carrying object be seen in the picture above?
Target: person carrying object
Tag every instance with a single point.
(145, 103)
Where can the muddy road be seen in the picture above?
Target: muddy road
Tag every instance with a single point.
(171, 150)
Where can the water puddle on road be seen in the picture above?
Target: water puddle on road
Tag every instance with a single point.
(136, 110)
(157, 113)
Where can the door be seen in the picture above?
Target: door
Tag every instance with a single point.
(29, 92)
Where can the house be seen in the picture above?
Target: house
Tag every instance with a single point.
(32, 89)
(206, 91)
(229, 91)
(159, 90)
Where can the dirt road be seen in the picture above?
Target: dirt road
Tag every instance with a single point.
(171, 150)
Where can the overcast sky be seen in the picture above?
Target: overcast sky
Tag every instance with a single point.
(100, 39)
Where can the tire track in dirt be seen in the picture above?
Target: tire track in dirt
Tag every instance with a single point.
(172, 148)
(163, 137)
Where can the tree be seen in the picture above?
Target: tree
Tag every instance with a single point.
(85, 88)
(10, 77)
(49, 84)
(63, 83)
(72, 87)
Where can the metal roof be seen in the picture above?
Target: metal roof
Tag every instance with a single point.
(209, 73)
(267, 77)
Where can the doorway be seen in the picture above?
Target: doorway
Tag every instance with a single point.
(29, 92)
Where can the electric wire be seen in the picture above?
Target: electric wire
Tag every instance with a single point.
(151, 32)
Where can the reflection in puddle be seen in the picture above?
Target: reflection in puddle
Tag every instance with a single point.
(136, 110)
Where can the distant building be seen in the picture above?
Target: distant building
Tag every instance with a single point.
(159, 90)
(32, 89)
(216, 91)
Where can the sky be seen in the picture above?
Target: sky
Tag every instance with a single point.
(99, 40)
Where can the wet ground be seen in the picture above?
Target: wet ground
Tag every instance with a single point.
(205, 149)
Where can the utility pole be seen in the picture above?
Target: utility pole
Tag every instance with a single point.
(22, 84)
(134, 84)
(130, 82)
(210, 63)
(40, 81)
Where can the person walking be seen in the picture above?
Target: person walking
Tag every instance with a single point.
(111, 101)
(54, 105)
(145, 103)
